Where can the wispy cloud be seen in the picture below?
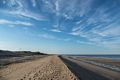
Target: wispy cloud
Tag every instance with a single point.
(18, 7)
(96, 21)
(74, 8)
(23, 23)
(100, 26)
(4, 21)
(29, 14)
(47, 36)
(55, 30)
(100, 36)
(34, 3)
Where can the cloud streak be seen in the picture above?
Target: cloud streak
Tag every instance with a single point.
(96, 21)
(3, 21)
(18, 7)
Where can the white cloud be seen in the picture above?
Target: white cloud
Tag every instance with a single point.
(33, 3)
(55, 30)
(70, 9)
(20, 8)
(112, 31)
(15, 5)
(23, 23)
(4, 21)
(47, 36)
(67, 16)
(67, 9)
(57, 7)
(49, 6)
(28, 14)
(4, 2)
(106, 36)
(62, 9)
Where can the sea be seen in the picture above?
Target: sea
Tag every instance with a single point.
(115, 57)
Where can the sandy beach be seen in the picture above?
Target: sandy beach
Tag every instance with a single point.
(48, 68)
(53, 67)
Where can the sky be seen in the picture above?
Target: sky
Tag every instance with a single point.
(60, 26)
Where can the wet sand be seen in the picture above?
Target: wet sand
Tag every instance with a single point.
(86, 71)
(110, 61)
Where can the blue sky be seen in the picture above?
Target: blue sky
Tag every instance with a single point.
(61, 26)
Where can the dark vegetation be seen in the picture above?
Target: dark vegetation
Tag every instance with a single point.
(5, 54)
(8, 57)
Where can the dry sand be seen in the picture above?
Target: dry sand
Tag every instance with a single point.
(48, 68)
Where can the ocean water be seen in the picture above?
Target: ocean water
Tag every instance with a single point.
(115, 57)
(108, 66)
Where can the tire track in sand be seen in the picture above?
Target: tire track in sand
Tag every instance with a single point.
(48, 68)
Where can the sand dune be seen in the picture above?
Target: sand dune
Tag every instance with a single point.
(48, 68)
